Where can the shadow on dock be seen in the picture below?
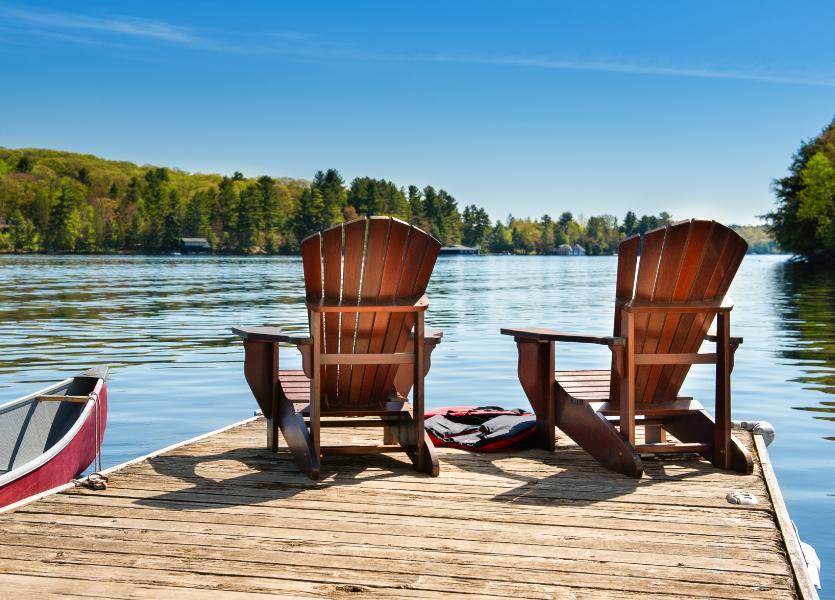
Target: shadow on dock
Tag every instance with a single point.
(248, 476)
(220, 517)
(266, 476)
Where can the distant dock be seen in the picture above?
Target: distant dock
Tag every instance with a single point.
(220, 516)
(459, 249)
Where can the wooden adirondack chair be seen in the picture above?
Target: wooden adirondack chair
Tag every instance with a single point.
(662, 317)
(368, 345)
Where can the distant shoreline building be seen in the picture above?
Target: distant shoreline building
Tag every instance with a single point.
(459, 249)
(194, 246)
(568, 250)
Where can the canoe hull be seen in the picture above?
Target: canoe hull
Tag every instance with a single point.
(69, 461)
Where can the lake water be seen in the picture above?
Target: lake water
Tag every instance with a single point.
(162, 324)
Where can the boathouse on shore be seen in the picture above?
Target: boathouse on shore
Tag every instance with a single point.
(194, 246)
(460, 249)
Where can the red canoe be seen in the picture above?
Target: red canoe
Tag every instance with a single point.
(49, 437)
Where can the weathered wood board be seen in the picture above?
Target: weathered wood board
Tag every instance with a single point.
(225, 517)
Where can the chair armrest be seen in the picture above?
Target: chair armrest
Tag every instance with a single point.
(270, 334)
(711, 337)
(430, 334)
(643, 306)
(550, 335)
(332, 306)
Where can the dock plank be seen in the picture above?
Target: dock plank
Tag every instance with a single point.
(223, 516)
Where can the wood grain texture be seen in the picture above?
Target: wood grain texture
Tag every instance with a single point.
(225, 517)
(665, 302)
(365, 284)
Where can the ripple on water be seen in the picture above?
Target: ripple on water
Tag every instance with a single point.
(162, 323)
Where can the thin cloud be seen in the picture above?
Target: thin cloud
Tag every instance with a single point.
(623, 68)
(72, 27)
(69, 27)
(130, 26)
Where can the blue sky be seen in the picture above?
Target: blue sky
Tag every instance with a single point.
(520, 107)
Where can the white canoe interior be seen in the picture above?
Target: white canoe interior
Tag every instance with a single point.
(33, 431)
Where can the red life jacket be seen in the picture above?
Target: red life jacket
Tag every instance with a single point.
(479, 428)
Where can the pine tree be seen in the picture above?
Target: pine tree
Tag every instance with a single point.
(450, 220)
(24, 165)
(547, 245)
(433, 212)
(64, 222)
(334, 195)
(476, 226)
(225, 209)
(83, 176)
(310, 216)
(248, 222)
(171, 221)
(197, 218)
(24, 237)
(87, 238)
(630, 223)
(416, 214)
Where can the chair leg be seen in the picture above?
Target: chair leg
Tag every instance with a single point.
(722, 453)
(389, 435)
(536, 374)
(298, 438)
(594, 434)
(431, 465)
(699, 427)
(405, 430)
(654, 434)
(418, 391)
(272, 433)
(261, 371)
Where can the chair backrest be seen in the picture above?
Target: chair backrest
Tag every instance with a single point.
(378, 260)
(689, 261)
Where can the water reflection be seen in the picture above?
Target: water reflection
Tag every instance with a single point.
(806, 306)
(162, 324)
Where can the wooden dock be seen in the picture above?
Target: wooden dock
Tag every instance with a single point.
(223, 517)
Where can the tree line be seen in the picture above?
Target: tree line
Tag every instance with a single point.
(804, 220)
(53, 201)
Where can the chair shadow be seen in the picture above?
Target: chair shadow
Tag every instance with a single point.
(580, 485)
(257, 476)
(267, 476)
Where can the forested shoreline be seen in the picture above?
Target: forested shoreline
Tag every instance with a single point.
(804, 220)
(63, 202)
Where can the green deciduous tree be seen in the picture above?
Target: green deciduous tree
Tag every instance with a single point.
(500, 239)
(804, 220)
(816, 202)
(69, 202)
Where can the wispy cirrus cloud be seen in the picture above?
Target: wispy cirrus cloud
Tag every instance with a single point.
(126, 26)
(111, 30)
(89, 30)
(558, 64)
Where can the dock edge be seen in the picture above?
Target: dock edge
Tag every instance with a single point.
(805, 588)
